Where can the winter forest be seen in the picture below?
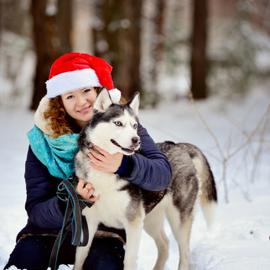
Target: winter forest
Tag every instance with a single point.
(202, 68)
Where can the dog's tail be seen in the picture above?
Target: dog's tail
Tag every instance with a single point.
(207, 186)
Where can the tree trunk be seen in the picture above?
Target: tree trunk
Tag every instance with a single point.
(51, 35)
(13, 16)
(157, 47)
(64, 24)
(198, 55)
(117, 38)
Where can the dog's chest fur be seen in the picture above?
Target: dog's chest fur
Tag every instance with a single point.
(111, 207)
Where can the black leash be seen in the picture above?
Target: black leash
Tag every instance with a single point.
(73, 221)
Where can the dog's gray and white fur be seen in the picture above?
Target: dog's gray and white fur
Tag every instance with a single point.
(126, 206)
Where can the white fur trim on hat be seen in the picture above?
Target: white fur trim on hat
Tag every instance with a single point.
(70, 81)
(115, 95)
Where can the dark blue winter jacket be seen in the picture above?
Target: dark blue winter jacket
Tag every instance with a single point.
(148, 169)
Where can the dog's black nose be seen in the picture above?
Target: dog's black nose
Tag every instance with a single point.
(135, 140)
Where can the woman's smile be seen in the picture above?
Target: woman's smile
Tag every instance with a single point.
(85, 110)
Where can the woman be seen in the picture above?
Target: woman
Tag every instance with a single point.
(74, 82)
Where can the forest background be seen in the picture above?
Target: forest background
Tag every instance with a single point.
(203, 71)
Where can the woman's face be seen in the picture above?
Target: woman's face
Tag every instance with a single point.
(79, 104)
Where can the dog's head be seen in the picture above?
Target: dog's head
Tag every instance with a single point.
(114, 127)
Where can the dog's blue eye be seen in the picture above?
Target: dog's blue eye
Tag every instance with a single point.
(135, 126)
(118, 123)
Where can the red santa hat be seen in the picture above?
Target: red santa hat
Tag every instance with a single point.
(74, 70)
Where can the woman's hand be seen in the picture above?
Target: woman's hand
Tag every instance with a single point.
(103, 161)
(86, 191)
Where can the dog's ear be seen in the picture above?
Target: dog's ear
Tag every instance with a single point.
(103, 101)
(135, 103)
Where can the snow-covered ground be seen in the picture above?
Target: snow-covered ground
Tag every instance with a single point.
(240, 238)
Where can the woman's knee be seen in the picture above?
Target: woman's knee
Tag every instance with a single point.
(31, 253)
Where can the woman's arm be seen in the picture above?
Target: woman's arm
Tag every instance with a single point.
(149, 168)
(44, 209)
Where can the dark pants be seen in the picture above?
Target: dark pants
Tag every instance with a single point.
(33, 253)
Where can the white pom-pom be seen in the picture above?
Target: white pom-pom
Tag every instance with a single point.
(115, 95)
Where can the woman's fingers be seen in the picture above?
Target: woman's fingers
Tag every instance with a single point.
(94, 198)
(94, 161)
(101, 151)
(88, 186)
(96, 155)
(80, 185)
(86, 190)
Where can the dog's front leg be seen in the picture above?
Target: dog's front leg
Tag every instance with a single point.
(133, 232)
(82, 252)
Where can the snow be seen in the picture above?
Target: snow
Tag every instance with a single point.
(240, 236)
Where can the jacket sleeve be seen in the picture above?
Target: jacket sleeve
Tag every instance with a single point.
(149, 168)
(42, 205)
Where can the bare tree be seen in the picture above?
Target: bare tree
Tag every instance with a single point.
(52, 25)
(199, 46)
(226, 155)
(117, 38)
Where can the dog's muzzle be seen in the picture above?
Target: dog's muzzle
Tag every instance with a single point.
(134, 146)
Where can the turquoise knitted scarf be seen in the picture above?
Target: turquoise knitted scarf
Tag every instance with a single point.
(57, 154)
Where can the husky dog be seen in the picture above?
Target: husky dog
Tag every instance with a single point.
(126, 206)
